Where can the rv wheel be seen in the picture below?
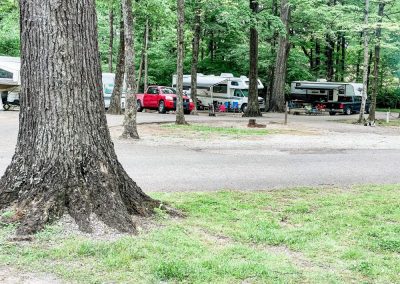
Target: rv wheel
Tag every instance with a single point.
(6, 106)
(244, 107)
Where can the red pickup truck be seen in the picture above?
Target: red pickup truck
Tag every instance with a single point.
(162, 99)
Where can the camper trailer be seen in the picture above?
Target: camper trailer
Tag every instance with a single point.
(10, 81)
(324, 91)
(223, 89)
(108, 87)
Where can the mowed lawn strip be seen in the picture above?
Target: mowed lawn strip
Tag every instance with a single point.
(218, 130)
(283, 236)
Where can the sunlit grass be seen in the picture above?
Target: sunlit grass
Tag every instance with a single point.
(302, 235)
(205, 129)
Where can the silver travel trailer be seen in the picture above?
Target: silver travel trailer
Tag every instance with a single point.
(10, 81)
(308, 91)
(222, 89)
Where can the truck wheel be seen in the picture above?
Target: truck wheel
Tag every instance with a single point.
(347, 111)
(243, 108)
(139, 106)
(332, 113)
(161, 107)
(6, 106)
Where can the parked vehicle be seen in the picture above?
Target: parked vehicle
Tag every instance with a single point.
(335, 97)
(346, 105)
(162, 99)
(216, 90)
(108, 87)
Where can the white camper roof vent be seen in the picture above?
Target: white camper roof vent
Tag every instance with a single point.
(227, 75)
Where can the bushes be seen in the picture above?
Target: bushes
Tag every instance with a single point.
(388, 98)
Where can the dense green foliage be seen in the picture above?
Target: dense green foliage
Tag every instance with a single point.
(328, 24)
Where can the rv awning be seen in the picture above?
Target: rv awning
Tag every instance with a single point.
(319, 87)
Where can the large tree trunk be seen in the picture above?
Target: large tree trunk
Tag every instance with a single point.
(130, 127)
(378, 34)
(195, 53)
(180, 117)
(115, 102)
(366, 63)
(282, 55)
(253, 107)
(111, 43)
(64, 160)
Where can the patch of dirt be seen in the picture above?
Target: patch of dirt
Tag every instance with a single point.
(9, 275)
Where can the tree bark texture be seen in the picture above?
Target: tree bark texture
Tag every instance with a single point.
(115, 101)
(329, 50)
(64, 160)
(111, 43)
(195, 53)
(377, 59)
(366, 63)
(180, 117)
(253, 107)
(278, 93)
(130, 127)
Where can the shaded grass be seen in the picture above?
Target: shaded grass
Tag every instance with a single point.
(206, 130)
(288, 236)
(395, 110)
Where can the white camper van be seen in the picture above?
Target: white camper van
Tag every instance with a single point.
(108, 87)
(223, 89)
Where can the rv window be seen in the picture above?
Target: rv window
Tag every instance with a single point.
(220, 89)
(238, 93)
(234, 83)
(5, 74)
(341, 91)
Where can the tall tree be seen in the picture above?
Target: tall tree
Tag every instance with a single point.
(282, 55)
(130, 127)
(366, 63)
(195, 52)
(115, 101)
(180, 117)
(143, 57)
(253, 107)
(377, 59)
(64, 162)
(111, 43)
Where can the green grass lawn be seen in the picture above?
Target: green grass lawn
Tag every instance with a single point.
(207, 130)
(306, 235)
(386, 110)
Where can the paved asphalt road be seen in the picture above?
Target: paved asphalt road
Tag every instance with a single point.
(176, 168)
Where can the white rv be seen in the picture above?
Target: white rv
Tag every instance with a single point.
(108, 87)
(223, 89)
(324, 91)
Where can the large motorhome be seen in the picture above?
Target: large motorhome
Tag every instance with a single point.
(311, 92)
(223, 89)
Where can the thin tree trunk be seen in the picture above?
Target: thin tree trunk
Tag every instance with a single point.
(195, 53)
(317, 66)
(139, 80)
(64, 161)
(343, 59)
(278, 93)
(130, 127)
(366, 63)
(337, 57)
(253, 107)
(111, 43)
(146, 57)
(115, 102)
(180, 117)
(359, 58)
(378, 34)
(330, 47)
